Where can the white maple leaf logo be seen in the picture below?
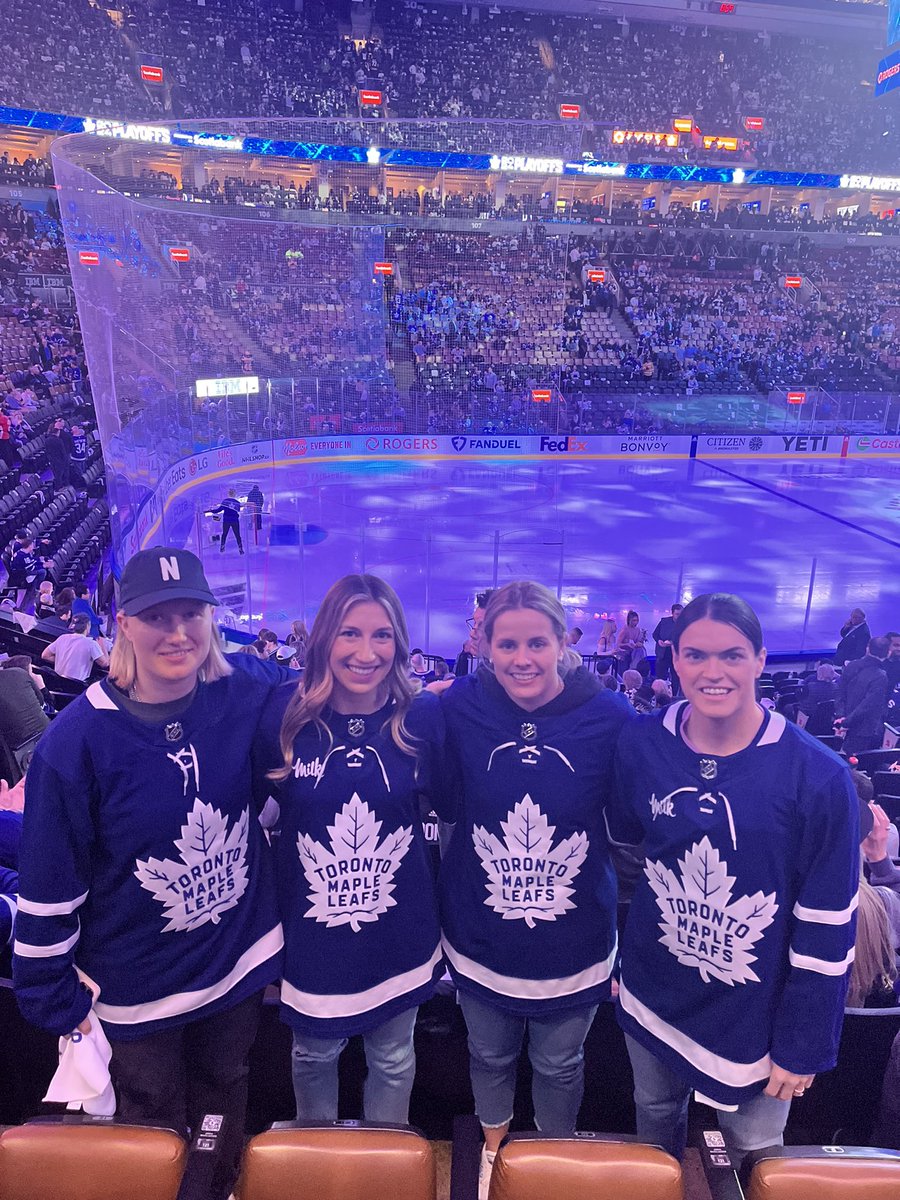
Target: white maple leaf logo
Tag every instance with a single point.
(352, 882)
(701, 925)
(211, 875)
(529, 879)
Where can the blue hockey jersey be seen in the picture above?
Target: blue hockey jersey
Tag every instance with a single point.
(143, 865)
(742, 925)
(355, 882)
(528, 894)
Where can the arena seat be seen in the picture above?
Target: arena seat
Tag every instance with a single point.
(583, 1166)
(822, 1173)
(297, 1160)
(88, 1158)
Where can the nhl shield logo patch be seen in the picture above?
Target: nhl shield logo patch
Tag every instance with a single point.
(529, 732)
(709, 768)
(356, 727)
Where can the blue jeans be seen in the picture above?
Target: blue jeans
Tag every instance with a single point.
(391, 1062)
(661, 1099)
(556, 1050)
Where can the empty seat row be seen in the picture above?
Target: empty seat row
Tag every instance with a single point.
(86, 1159)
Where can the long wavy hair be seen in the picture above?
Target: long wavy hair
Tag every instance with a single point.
(528, 594)
(314, 690)
(874, 959)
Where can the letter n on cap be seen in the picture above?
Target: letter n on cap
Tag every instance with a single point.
(169, 568)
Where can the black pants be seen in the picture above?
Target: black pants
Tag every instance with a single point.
(176, 1076)
(231, 527)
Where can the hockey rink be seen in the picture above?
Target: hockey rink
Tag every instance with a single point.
(803, 541)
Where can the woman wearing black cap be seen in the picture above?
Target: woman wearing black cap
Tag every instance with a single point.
(146, 897)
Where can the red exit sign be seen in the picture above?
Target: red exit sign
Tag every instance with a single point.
(596, 276)
(796, 397)
(570, 112)
(754, 124)
(89, 258)
(151, 74)
(793, 281)
(367, 96)
(541, 395)
(384, 268)
(179, 254)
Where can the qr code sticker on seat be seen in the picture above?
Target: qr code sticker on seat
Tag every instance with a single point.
(713, 1137)
(212, 1123)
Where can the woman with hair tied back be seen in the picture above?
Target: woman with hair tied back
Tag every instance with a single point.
(741, 929)
(352, 754)
(528, 894)
(147, 900)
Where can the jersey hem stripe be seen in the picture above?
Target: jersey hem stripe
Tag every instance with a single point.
(36, 908)
(352, 1004)
(723, 1070)
(183, 1002)
(531, 989)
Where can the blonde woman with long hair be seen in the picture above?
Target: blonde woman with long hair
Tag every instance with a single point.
(528, 895)
(351, 756)
(144, 868)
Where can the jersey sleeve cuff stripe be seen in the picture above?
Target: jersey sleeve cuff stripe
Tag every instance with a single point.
(25, 950)
(62, 908)
(821, 965)
(827, 916)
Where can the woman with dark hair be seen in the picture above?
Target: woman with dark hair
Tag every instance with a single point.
(353, 755)
(527, 890)
(630, 643)
(741, 929)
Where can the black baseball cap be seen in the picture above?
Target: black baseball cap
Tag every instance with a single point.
(162, 573)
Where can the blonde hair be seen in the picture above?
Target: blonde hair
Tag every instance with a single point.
(314, 690)
(528, 594)
(123, 664)
(874, 958)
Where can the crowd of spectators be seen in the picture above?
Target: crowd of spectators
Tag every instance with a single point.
(234, 58)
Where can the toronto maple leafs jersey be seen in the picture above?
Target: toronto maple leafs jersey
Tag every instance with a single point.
(143, 865)
(528, 894)
(355, 882)
(742, 925)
